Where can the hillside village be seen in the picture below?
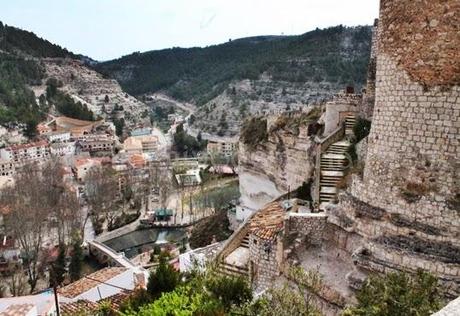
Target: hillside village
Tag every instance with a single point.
(267, 205)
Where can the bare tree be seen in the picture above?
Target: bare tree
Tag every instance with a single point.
(27, 218)
(61, 200)
(17, 282)
(101, 187)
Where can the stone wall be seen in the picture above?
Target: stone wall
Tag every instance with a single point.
(263, 260)
(422, 37)
(338, 108)
(311, 225)
(404, 213)
(361, 149)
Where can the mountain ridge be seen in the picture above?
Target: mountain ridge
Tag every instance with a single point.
(199, 74)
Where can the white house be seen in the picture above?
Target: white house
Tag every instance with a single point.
(23, 153)
(61, 136)
(102, 284)
(62, 149)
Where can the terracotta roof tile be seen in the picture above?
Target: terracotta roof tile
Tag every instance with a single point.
(17, 310)
(85, 284)
(80, 306)
(268, 222)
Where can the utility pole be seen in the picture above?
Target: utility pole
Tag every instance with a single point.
(56, 300)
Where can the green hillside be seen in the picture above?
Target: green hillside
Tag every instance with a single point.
(338, 54)
(17, 41)
(20, 68)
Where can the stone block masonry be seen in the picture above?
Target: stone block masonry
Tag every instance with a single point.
(310, 225)
(405, 209)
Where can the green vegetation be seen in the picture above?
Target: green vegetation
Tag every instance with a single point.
(200, 74)
(196, 294)
(361, 129)
(186, 145)
(65, 104)
(76, 261)
(398, 294)
(58, 268)
(17, 101)
(119, 125)
(13, 40)
(163, 279)
(214, 226)
(254, 132)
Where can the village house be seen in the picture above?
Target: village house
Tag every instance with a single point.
(140, 144)
(42, 304)
(226, 149)
(62, 149)
(83, 165)
(61, 136)
(7, 168)
(102, 284)
(24, 153)
(97, 144)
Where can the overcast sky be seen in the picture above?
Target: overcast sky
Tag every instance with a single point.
(107, 29)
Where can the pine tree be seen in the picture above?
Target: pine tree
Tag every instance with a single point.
(57, 272)
(163, 279)
(76, 260)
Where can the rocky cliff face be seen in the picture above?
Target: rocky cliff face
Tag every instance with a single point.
(280, 163)
(225, 114)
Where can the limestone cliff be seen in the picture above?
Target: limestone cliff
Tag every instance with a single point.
(280, 162)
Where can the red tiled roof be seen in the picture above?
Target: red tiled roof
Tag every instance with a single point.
(85, 306)
(40, 143)
(85, 284)
(268, 222)
(17, 310)
(80, 306)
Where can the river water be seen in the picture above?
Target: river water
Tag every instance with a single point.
(139, 241)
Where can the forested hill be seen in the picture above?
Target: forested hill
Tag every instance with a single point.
(14, 40)
(334, 55)
(20, 68)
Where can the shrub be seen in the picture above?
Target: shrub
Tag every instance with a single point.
(361, 129)
(254, 132)
(163, 279)
(230, 290)
(398, 294)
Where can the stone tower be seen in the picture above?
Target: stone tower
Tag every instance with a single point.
(404, 212)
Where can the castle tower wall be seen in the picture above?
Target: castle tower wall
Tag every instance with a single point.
(417, 108)
(406, 207)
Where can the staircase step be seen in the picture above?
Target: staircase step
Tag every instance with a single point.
(330, 190)
(332, 173)
(232, 270)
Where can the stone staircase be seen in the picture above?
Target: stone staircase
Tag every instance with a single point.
(240, 268)
(350, 122)
(334, 164)
(232, 270)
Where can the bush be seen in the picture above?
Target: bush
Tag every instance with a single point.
(230, 290)
(398, 294)
(163, 279)
(361, 129)
(254, 132)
